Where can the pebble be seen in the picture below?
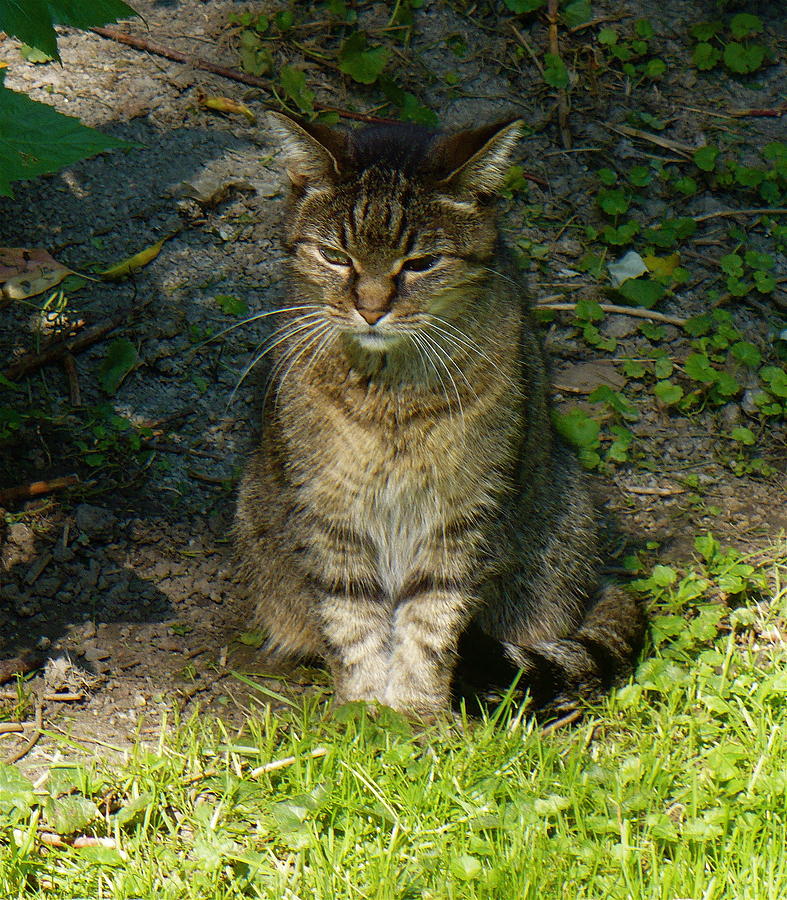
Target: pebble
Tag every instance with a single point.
(94, 521)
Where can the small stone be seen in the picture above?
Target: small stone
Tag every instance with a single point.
(731, 414)
(95, 654)
(94, 521)
(619, 326)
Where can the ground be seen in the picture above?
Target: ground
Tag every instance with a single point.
(130, 572)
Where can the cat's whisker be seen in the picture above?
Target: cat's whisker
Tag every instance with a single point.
(286, 357)
(452, 342)
(467, 342)
(427, 355)
(254, 318)
(290, 330)
(507, 278)
(439, 357)
(320, 332)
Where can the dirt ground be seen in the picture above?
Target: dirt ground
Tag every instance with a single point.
(130, 573)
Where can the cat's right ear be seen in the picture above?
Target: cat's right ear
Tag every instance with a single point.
(312, 152)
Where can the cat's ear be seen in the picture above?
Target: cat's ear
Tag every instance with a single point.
(477, 161)
(313, 153)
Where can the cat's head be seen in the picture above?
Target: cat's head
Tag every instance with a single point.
(391, 226)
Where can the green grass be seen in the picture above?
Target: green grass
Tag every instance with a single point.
(675, 786)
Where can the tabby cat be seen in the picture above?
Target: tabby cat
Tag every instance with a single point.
(409, 488)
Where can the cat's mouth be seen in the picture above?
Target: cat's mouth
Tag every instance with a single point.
(375, 339)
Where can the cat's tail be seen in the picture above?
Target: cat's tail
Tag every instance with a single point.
(561, 673)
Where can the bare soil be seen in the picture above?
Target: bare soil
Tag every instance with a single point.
(130, 574)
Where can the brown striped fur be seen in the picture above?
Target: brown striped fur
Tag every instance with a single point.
(409, 485)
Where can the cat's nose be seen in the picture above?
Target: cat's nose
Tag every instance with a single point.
(372, 315)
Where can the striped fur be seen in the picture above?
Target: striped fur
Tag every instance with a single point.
(409, 485)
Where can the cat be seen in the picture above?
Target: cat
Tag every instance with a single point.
(410, 490)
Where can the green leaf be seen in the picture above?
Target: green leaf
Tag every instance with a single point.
(776, 379)
(294, 83)
(608, 36)
(746, 353)
(621, 235)
(705, 158)
(642, 292)
(732, 265)
(663, 367)
(362, 63)
(614, 201)
(698, 367)
(705, 56)
(524, 6)
(121, 359)
(36, 140)
(34, 55)
(578, 428)
(764, 282)
(640, 176)
(232, 306)
(668, 393)
(132, 810)
(65, 815)
(745, 24)
(33, 21)
(741, 59)
(643, 28)
(607, 176)
(465, 867)
(655, 68)
(589, 310)
(577, 13)
(555, 71)
(756, 260)
(704, 31)
(743, 435)
(16, 791)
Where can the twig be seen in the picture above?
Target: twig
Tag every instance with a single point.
(561, 723)
(650, 491)
(19, 665)
(620, 310)
(600, 21)
(656, 139)
(70, 367)
(32, 740)
(30, 362)
(754, 111)
(36, 488)
(11, 727)
(530, 51)
(197, 62)
(739, 212)
(287, 761)
(562, 94)
(63, 698)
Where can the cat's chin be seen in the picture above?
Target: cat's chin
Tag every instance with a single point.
(376, 341)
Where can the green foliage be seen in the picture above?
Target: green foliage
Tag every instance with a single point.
(120, 360)
(740, 55)
(293, 81)
(632, 53)
(362, 63)
(555, 71)
(34, 22)
(36, 140)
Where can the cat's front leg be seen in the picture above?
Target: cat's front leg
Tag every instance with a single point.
(426, 631)
(357, 635)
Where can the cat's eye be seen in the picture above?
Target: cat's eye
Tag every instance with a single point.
(420, 263)
(335, 257)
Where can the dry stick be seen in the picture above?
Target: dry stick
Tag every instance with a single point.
(272, 766)
(773, 111)
(664, 143)
(620, 310)
(530, 51)
(11, 727)
(70, 367)
(36, 488)
(740, 212)
(561, 723)
(32, 741)
(30, 362)
(63, 698)
(562, 94)
(233, 74)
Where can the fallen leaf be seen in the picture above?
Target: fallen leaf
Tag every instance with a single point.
(584, 378)
(121, 359)
(135, 262)
(631, 265)
(25, 273)
(226, 105)
(663, 265)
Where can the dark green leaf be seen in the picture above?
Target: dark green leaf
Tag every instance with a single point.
(643, 28)
(747, 353)
(294, 83)
(704, 31)
(705, 56)
(743, 435)
(121, 359)
(524, 6)
(555, 71)
(66, 815)
(232, 306)
(577, 13)
(731, 264)
(361, 62)
(642, 292)
(36, 140)
(741, 59)
(745, 24)
(668, 393)
(705, 158)
(33, 21)
(698, 367)
(578, 428)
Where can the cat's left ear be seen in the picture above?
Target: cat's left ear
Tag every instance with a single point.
(478, 161)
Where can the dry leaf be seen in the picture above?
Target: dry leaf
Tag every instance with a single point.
(584, 378)
(25, 273)
(226, 105)
(663, 265)
(135, 262)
